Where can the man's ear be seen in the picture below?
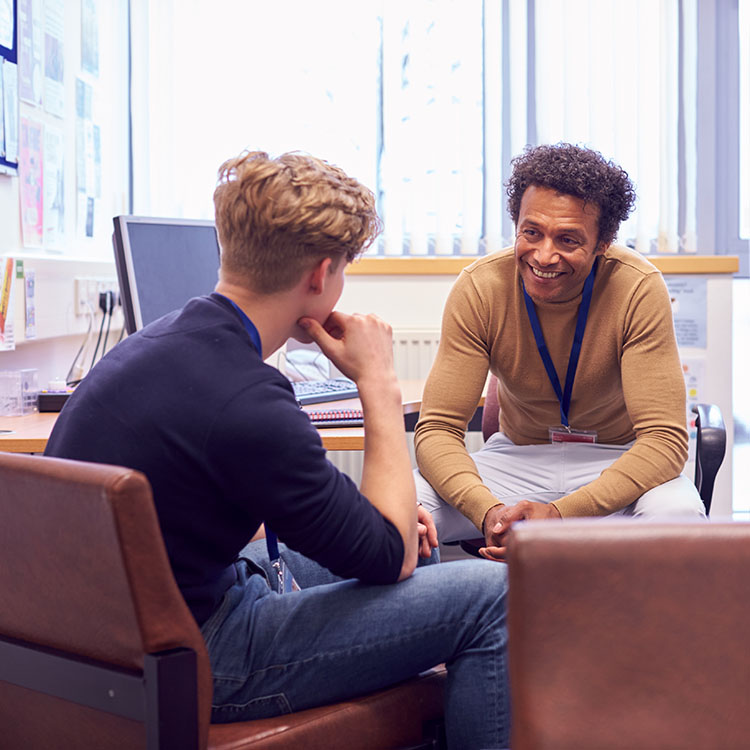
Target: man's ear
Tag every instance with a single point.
(317, 276)
(602, 248)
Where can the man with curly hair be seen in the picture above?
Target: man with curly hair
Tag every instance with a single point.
(579, 333)
(189, 401)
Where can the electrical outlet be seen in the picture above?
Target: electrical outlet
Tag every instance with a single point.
(87, 290)
(83, 296)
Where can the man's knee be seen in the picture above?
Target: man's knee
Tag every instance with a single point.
(677, 498)
(450, 523)
(426, 496)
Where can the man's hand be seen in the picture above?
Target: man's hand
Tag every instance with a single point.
(492, 520)
(428, 538)
(357, 344)
(500, 518)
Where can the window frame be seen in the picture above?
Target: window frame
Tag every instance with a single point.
(718, 132)
(717, 126)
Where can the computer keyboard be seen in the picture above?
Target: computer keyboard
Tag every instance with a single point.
(318, 391)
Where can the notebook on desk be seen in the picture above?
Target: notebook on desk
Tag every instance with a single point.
(336, 417)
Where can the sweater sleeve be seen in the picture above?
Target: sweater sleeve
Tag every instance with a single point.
(654, 392)
(451, 395)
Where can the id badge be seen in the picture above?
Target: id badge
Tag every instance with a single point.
(561, 434)
(285, 582)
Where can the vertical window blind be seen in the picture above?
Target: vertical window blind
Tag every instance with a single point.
(427, 101)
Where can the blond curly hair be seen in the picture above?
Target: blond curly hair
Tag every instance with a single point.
(277, 218)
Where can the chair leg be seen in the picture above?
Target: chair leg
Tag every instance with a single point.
(433, 736)
(471, 546)
(170, 679)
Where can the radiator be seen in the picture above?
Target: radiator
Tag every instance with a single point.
(413, 353)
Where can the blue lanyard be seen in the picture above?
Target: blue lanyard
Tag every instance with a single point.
(272, 545)
(249, 326)
(575, 351)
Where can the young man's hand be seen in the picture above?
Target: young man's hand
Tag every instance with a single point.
(428, 538)
(359, 345)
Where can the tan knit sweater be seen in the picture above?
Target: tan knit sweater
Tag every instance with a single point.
(629, 383)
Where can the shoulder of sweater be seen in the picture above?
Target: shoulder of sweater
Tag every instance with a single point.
(629, 259)
(493, 262)
(491, 271)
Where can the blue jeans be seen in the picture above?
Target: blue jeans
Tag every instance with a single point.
(273, 654)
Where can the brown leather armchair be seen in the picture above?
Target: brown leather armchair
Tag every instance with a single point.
(98, 649)
(628, 634)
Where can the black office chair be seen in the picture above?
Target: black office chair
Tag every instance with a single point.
(710, 448)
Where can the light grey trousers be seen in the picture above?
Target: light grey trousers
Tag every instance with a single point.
(548, 472)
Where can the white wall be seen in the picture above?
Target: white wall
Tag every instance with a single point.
(718, 380)
(59, 331)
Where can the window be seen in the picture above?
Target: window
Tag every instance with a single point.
(214, 78)
(427, 102)
(608, 77)
(744, 29)
(395, 99)
(721, 139)
(430, 156)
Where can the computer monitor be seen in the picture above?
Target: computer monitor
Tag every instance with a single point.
(161, 264)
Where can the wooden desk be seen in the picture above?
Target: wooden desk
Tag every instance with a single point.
(353, 438)
(29, 434)
(26, 434)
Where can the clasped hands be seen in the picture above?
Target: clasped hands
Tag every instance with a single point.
(500, 518)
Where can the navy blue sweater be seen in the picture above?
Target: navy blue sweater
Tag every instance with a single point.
(189, 402)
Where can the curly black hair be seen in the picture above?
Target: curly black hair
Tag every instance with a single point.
(574, 170)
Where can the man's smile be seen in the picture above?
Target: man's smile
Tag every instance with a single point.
(545, 274)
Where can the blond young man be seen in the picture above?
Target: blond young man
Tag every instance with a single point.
(190, 402)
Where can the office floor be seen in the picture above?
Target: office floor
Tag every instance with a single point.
(741, 397)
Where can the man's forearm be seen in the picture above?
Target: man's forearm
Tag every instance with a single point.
(387, 479)
(446, 464)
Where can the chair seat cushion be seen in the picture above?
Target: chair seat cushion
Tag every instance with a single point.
(389, 718)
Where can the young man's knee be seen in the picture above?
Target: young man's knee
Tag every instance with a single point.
(484, 583)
